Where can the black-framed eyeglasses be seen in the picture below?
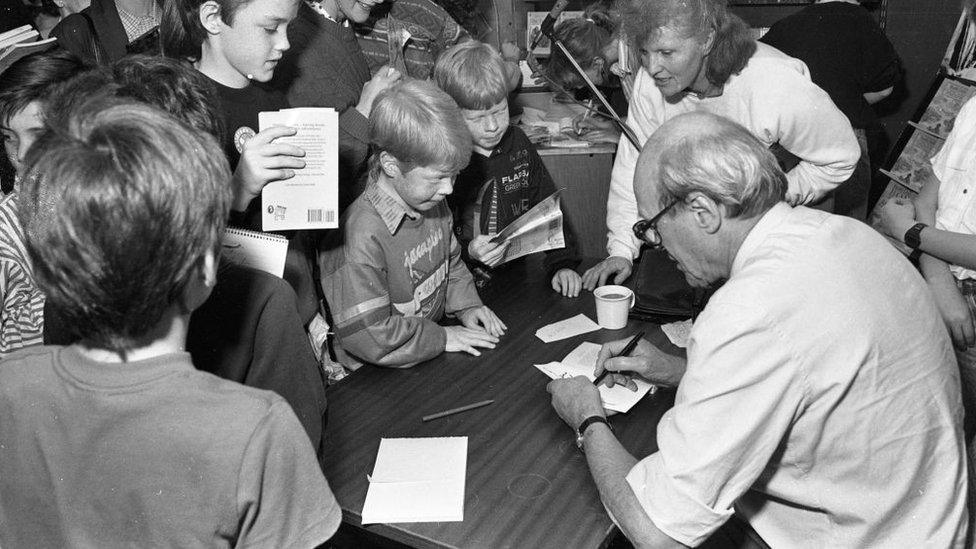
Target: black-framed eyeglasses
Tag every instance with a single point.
(644, 226)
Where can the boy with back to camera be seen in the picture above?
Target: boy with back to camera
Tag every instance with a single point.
(118, 439)
(393, 270)
(506, 176)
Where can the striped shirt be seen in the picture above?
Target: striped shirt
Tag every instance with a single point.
(22, 319)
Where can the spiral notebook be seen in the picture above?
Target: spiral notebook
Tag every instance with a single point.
(262, 251)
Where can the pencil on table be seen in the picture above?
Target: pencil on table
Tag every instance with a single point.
(453, 411)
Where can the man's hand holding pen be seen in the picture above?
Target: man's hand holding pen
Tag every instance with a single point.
(646, 360)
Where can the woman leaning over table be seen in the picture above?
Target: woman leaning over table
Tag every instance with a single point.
(698, 56)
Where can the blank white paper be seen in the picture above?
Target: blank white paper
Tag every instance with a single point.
(417, 480)
(564, 329)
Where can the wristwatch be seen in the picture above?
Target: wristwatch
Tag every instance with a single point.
(581, 430)
(913, 236)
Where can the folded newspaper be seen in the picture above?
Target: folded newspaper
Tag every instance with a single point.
(537, 230)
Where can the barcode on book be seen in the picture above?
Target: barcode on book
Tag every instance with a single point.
(316, 216)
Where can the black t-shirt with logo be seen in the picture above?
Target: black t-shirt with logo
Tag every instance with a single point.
(240, 108)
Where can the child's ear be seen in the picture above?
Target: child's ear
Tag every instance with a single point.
(201, 283)
(210, 16)
(208, 268)
(390, 165)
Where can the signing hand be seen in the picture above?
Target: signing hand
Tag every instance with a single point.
(482, 317)
(587, 122)
(567, 282)
(598, 274)
(384, 78)
(468, 340)
(263, 161)
(645, 360)
(482, 249)
(575, 399)
(897, 216)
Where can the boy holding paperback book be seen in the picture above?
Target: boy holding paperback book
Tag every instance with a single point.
(394, 270)
(506, 176)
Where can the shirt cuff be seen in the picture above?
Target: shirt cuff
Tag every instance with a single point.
(355, 124)
(618, 248)
(674, 512)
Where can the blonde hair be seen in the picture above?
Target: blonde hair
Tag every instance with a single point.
(419, 125)
(474, 74)
(733, 45)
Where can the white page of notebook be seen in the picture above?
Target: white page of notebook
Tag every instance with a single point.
(417, 480)
(581, 361)
(264, 252)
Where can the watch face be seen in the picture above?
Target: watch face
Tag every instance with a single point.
(912, 236)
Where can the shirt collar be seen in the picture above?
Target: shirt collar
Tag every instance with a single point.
(773, 218)
(391, 210)
(317, 7)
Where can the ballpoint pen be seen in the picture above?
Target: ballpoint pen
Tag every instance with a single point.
(589, 111)
(631, 345)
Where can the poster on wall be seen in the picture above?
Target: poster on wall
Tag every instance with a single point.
(940, 114)
(912, 168)
(533, 22)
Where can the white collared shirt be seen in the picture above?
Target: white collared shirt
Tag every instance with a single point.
(955, 166)
(821, 399)
(774, 99)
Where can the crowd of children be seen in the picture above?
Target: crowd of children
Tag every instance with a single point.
(176, 386)
(111, 241)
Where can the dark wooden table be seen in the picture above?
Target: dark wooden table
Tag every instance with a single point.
(527, 485)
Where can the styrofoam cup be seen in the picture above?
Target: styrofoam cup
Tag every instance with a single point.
(613, 304)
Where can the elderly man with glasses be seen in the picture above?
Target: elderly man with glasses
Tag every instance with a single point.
(819, 401)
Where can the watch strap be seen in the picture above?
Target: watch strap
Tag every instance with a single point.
(585, 424)
(913, 236)
(590, 421)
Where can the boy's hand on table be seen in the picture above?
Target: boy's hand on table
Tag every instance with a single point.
(468, 340)
(567, 282)
(598, 274)
(490, 253)
(482, 318)
(263, 161)
(645, 360)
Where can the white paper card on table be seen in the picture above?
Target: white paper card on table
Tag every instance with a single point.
(678, 332)
(417, 480)
(310, 200)
(581, 361)
(262, 251)
(564, 329)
